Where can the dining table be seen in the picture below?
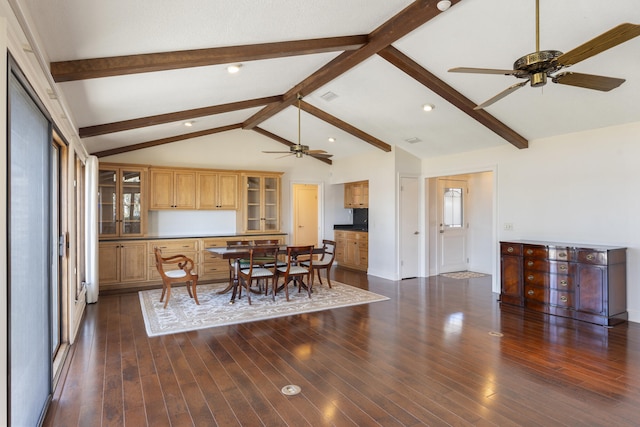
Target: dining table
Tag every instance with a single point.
(236, 253)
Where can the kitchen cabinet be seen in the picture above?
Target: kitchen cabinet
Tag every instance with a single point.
(122, 263)
(122, 206)
(356, 195)
(172, 189)
(216, 190)
(352, 249)
(577, 281)
(260, 203)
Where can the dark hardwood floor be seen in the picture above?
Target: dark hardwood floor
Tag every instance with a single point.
(428, 356)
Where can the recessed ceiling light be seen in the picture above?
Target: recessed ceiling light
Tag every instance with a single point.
(413, 140)
(428, 107)
(233, 69)
(188, 124)
(331, 139)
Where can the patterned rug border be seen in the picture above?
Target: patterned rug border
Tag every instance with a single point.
(183, 315)
(463, 275)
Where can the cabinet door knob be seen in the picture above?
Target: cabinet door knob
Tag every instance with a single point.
(530, 292)
(510, 249)
(530, 277)
(530, 263)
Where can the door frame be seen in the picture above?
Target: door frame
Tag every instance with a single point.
(431, 233)
(321, 224)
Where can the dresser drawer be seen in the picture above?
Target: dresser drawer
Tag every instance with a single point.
(559, 253)
(550, 296)
(507, 248)
(535, 251)
(591, 257)
(561, 282)
(536, 264)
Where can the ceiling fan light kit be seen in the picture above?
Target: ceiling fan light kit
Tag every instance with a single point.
(540, 65)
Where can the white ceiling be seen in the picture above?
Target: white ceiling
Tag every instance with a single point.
(375, 96)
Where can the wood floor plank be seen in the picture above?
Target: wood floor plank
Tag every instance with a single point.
(425, 357)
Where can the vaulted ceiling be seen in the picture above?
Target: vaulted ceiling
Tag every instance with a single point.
(132, 72)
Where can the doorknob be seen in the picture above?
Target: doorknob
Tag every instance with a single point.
(416, 232)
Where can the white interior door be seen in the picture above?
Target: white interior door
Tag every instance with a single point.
(452, 237)
(409, 230)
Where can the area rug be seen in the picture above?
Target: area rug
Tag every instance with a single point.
(182, 314)
(463, 275)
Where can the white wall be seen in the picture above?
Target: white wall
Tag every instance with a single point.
(577, 188)
(480, 219)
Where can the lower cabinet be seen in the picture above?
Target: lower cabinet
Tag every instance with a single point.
(352, 249)
(575, 281)
(130, 264)
(122, 263)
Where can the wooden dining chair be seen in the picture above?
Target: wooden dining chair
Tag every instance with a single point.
(184, 274)
(256, 271)
(269, 242)
(325, 262)
(242, 263)
(294, 270)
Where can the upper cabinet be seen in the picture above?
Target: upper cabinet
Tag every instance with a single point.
(260, 202)
(356, 195)
(121, 201)
(172, 189)
(217, 190)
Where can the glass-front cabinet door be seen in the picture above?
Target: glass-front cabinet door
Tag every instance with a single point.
(262, 203)
(120, 202)
(107, 202)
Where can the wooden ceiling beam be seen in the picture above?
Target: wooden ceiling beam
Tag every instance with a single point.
(159, 119)
(65, 71)
(168, 140)
(285, 142)
(415, 70)
(322, 115)
(403, 23)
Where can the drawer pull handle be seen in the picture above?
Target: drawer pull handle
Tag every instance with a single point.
(590, 257)
(563, 267)
(563, 283)
(530, 263)
(529, 251)
(564, 298)
(562, 254)
(530, 292)
(530, 277)
(510, 249)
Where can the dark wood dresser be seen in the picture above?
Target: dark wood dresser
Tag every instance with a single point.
(563, 279)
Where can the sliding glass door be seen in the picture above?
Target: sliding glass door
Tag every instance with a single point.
(30, 256)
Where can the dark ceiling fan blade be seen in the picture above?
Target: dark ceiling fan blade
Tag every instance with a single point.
(320, 155)
(604, 41)
(501, 95)
(484, 71)
(588, 81)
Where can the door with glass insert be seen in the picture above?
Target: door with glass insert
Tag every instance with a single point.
(120, 202)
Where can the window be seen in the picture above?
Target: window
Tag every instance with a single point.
(452, 205)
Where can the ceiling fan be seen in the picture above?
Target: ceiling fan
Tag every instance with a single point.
(298, 149)
(537, 66)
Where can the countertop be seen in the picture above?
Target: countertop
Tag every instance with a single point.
(351, 227)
